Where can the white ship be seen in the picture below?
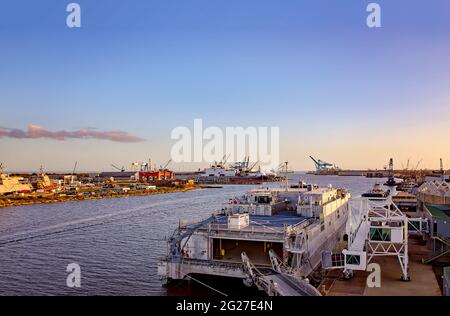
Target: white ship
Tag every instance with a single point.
(12, 184)
(293, 225)
(236, 173)
(218, 170)
(240, 168)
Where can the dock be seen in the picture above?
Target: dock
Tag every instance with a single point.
(423, 279)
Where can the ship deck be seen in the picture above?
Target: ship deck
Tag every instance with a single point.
(275, 221)
(260, 228)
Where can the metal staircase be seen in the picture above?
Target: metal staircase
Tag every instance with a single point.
(445, 249)
(276, 282)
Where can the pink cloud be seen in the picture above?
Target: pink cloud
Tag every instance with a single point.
(35, 131)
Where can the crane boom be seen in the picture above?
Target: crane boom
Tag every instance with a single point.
(226, 159)
(120, 169)
(418, 163)
(167, 163)
(321, 165)
(315, 161)
(252, 166)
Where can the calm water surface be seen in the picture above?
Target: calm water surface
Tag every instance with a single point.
(117, 242)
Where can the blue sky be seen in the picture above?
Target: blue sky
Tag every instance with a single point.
(336, 88)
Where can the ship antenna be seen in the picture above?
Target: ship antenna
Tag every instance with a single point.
(286, 174)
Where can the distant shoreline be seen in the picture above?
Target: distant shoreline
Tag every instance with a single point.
(50, 198)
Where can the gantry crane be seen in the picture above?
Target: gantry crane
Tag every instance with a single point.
(320, 164)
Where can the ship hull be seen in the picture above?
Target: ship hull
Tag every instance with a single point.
(330, 242)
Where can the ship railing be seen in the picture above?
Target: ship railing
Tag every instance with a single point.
(251, 229)
(304, 224)
(211, 263)
(302, 285)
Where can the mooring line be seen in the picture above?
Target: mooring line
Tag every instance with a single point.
(204, 284)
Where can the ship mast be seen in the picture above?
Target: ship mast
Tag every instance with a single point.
(286, 174)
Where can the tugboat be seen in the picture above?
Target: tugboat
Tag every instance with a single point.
(391, 182)
(376, 192)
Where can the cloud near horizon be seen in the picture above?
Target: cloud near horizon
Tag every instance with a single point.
(36, 131)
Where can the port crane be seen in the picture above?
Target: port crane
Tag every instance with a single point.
(391, 176)
(418, 164)
(120, 169)
(224, 159)
(134, 165)
(407, 165)
(320, 164)
(144, 166)
(253, 166)
(166, 165)
(41, 170)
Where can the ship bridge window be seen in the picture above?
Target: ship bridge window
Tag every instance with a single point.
(353, 259)
(263, 199)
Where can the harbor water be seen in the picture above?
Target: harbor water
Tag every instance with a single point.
(117, 242)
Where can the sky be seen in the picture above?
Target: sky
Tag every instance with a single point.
(112, 91)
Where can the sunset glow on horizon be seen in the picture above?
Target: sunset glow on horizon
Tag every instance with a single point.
(112, 91)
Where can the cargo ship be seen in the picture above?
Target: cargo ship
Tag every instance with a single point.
(236, 173)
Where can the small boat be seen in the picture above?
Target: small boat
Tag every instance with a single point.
(376, 192)
(407, 186)
(300, 185)
(391, 182)
(405, 201)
